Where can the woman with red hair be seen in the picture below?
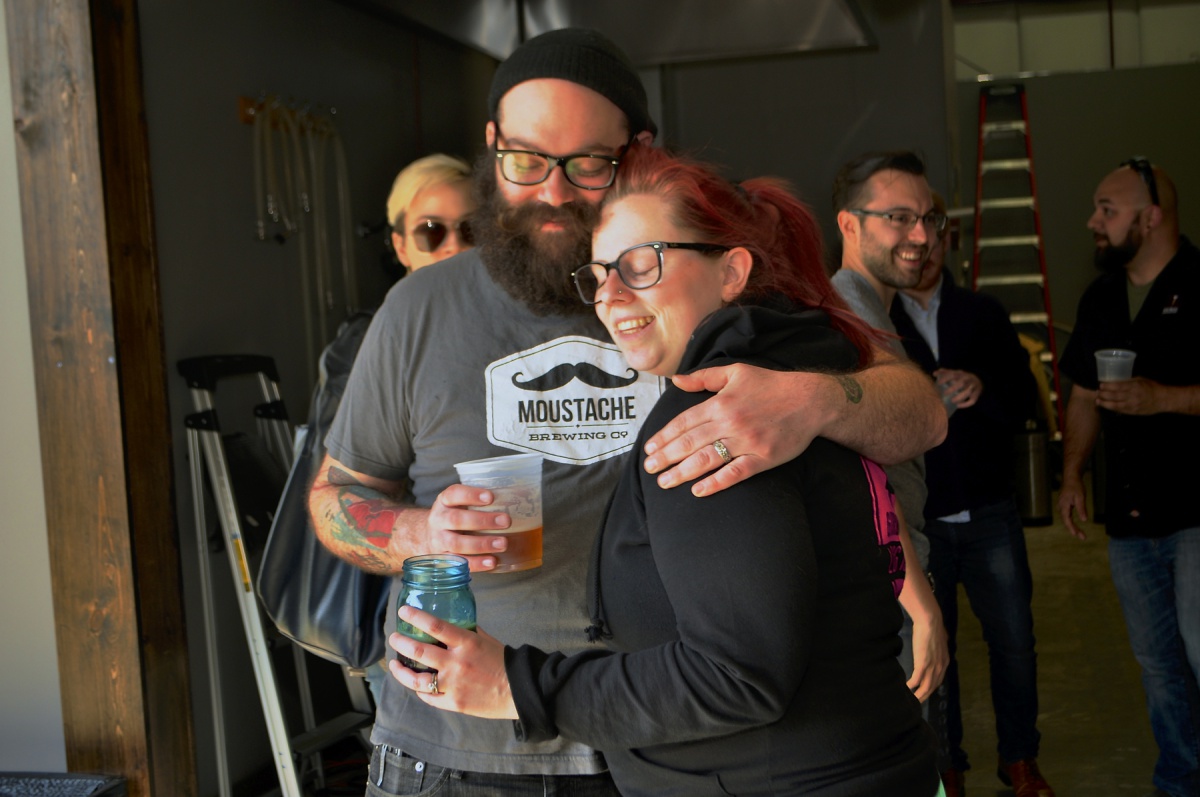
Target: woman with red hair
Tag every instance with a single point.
(751, 636)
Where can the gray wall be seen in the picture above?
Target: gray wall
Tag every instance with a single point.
(802, 116)
(1082, 126)
(399, 94)
(31, 732)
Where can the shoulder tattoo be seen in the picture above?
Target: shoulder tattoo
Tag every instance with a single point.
(851, 387)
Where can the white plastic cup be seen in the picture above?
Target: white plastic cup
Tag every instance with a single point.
(516, 484)
(1114, 365)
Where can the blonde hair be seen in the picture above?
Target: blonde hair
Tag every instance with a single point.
(432, 170)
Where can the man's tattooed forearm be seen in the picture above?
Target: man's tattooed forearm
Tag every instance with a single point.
(367, 518)
(851, 387)
(339, 478)
(368, 561)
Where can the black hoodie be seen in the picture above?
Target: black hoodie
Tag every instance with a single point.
(752, 634)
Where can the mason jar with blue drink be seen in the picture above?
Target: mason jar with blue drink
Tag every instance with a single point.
(439, 584)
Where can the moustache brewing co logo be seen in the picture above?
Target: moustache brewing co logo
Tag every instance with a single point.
(573, 400)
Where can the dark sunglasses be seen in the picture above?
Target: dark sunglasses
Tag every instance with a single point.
(430, 234)
(1143, 167)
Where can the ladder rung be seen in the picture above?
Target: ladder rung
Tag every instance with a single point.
(1012, 126)
(324, 735)
(1011, 279)
(1030, 318)
(1007, 202)
(1010, 164)
(1003, 90)
(1010, 240)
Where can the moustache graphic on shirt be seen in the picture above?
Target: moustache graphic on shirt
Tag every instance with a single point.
(587, 373)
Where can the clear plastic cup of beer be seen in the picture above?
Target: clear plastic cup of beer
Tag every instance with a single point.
(1114, 365)
(516, 485)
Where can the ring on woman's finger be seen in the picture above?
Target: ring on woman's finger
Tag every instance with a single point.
(722, 451)
(433, 685)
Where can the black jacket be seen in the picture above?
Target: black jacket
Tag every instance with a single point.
(973, 467)
(753, 632)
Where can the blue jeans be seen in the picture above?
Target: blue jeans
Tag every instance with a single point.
(396, 774)
(1158, 583)
(987, 556)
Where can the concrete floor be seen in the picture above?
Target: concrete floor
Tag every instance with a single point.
(1096, 739)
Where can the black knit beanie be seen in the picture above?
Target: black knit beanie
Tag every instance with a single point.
(581, 56)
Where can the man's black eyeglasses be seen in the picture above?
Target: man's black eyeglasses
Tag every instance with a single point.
(906, 219)
(639, 267)
(1146, 170)
(431, 233)
(584, 170)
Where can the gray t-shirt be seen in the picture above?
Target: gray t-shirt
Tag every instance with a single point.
(454, 369)
(907, 478)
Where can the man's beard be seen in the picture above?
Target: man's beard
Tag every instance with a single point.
(881, 263)
(532, 266)
(1114, 257)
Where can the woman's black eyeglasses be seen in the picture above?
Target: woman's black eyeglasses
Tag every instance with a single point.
(430, 234)
(1146, 170)
(639, 267)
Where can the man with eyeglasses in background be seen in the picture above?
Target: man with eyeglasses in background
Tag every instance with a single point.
(966, 341)
(886, 222)
(1147, 300)
(492, 352)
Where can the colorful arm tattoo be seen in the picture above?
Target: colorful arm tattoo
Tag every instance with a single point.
(367, 515)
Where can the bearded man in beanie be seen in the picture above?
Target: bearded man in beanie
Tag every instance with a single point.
(491, 352)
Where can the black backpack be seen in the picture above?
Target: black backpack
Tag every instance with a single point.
(326, 605)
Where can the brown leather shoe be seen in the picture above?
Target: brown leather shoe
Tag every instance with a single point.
(952, 782)
(1025, 778)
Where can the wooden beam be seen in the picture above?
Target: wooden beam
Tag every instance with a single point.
(142, 380)
(98, 365)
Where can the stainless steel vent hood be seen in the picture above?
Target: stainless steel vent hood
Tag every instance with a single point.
(652, 32)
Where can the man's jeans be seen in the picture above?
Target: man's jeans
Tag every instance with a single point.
(987, 556)
(1158, 583)
(396, 774)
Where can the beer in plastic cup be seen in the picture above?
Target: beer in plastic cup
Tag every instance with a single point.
(516, 485)
(1114, 365)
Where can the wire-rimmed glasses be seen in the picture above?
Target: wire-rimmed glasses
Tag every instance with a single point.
(906, 219)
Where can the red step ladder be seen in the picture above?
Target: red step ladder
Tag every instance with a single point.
(1009, 259)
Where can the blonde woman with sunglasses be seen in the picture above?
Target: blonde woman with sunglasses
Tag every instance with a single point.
(429, 208)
